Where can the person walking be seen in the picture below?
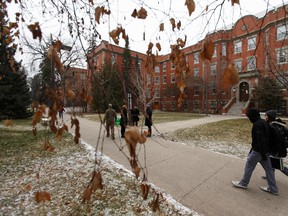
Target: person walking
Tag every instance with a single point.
(270, 117)
(110, 118)
(258, 153)
(148, 120)
(135, 115)
(61, 111)
(123, 120)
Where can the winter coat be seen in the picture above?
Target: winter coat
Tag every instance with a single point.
(148, 117)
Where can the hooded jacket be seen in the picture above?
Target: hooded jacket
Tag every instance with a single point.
(260, 133)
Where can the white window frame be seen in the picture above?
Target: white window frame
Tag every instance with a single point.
(172, 78)
(148, 79)
(238, 65)
(157, 69)
(196, 58)
(282, 32)
(196, 72)
(196, 90)
(215, 51)
(251, 43)
(213, 69)
(164, 66)
(157, 80)
(224, 49)
(164, 79)
(172, 66)
(282, 55)
(157, 93)
(251, 63)
(237, 46)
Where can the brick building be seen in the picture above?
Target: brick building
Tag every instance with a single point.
(257, 46)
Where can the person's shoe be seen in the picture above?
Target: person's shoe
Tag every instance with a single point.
(263, 177)
(113, 137)
(267, 189)
(238, 185)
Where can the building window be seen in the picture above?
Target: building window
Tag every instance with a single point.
(185, 105)
(282, 79)
(148, 93)
(157, 69)
(114, 57)
(139, 64)
(252, 43)
(215, 51)
(196, 72)
(281, 32)
(251, 63)
(237, 47)
(238, 65)
(172, 105)
(196, 90)
(172, 78)
(172, 66)
(82, 76)
(196, 58)
(157, 80)
(148, 79)
(213, 69)
(172, 93)
(196, 105)
(164, 66)
(224, 48)
(282, 55)
(163, 105)
(157, 94)
(212, 88)
(164, 79)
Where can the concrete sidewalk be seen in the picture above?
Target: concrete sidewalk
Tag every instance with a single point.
(197, 178)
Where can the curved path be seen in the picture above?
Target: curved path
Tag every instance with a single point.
(197, 178)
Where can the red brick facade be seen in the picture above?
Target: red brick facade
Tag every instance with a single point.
(256, 46)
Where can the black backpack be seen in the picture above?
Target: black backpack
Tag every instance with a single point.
(278, 139)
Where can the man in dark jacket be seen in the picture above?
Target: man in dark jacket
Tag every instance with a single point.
(258, 153)
(148, 120)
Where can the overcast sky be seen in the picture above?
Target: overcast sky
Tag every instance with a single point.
(195, 27)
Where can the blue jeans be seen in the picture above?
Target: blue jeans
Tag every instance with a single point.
(252, 160)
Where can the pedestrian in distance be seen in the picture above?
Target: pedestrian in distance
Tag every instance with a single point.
(259, 153)
(135, 115)
(277, 147)
(123, 120)
(148, 120)
(110, 118)
(61, 111)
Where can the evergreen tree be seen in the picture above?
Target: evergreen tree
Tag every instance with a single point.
(126, 69)
(107, 88)
(267, 94)
(14, 90)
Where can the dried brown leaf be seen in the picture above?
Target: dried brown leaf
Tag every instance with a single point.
(42, 196)
(207, 50)
(36, 31)
(191, 6)
(87, 193)
(142, 13)
(145, 190)
(8, 122)
(96, 181)
(162, 27)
